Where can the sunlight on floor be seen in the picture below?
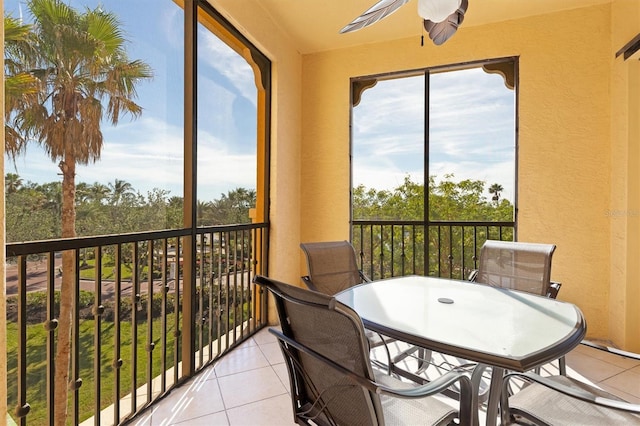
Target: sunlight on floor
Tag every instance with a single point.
(250, 386)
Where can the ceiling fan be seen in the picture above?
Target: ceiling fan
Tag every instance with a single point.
(441, 17)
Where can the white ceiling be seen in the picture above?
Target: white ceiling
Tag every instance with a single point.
(314, 24)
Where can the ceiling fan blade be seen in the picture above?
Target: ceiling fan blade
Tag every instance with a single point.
(378, 11)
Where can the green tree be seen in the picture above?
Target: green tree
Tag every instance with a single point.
(82, 193)
(205, 213)
(448, 200)
(12, 183)
(29, 215)
(120, 190)
(81, 69)
(20, 85)
(51, 197)
(153, 212)
(233, 207)
(98, 193)
(496, 189)
(451, 200)
(91, 212)
(174, 212)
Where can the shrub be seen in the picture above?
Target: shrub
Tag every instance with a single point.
(37, 307)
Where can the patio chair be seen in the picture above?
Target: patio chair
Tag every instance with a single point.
(518, 266)
(332, 381)
(513, 265)
(560, 400)
(332, 266)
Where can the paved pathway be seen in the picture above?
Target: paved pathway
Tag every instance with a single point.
(37, 280)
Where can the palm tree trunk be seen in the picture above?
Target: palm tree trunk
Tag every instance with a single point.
(65, 322)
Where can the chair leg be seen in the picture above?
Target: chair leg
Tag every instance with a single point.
(386, 349)
(404, 354)
(383, 342)
(424, 358)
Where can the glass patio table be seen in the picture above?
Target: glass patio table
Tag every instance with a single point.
(501, 328)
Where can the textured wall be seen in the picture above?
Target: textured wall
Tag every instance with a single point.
(624, 219)
(564, 138)
(577, 142)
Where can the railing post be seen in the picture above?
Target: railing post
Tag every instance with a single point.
(23, 407)
(449, 246)
(126, 254)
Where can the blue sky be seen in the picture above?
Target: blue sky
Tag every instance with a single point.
(472, 119)
(147, 152)
(472, 130)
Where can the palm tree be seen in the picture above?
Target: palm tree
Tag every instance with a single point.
(496, 189)
(12, 183)
(201, 210)
(119, 190)
(233, 207)
(20, 86)
(98, 192)
(82, 72)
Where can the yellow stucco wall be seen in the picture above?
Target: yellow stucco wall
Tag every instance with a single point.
(578, 157)
(564, 139)
(624, 328)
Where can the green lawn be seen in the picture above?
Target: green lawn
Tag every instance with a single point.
(36, 360)
(36, 364)
(88, 270)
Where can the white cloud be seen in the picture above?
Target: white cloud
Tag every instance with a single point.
(148, 154)
(471, 130)
(228, 63)
(220, 170)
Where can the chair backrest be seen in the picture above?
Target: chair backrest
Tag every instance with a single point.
(332, 266)
(335, 331)
(516, 265)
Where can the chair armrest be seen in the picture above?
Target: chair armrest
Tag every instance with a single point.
(574, 392)
(436, 386)
(554, 288)
(433, 387)
(306, 279)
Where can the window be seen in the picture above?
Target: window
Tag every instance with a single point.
(201, 130)
(137, 180)
(232, 93)
(451, 130)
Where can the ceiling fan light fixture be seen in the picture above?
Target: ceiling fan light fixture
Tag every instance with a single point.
(437, 10)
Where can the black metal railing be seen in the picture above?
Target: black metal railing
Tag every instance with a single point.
(449, 249)
(128, 326)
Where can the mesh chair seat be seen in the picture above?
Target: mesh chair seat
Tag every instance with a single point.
(331, 378)
(332, 266)
(411, 411)
(542, 403)
(516, 265)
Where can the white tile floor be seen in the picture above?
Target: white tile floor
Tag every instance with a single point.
(249, 386)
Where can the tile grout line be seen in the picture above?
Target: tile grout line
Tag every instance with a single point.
(224, 405)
